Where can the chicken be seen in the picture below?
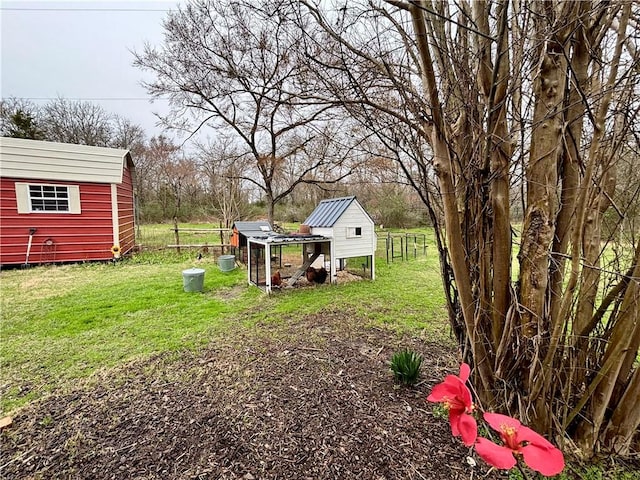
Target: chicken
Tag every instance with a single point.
(311, 274)
(276, 279)
(317, 276)
(321, 275)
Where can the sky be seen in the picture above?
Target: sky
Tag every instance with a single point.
(81, 50)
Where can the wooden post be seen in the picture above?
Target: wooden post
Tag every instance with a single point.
(221, 239)
(406, 245)
(373, 267)
(175, 231)
(386, 247)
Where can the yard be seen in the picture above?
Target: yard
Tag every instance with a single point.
(112, 371)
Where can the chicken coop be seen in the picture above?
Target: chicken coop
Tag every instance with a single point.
(351, 230)
(265, 264)
(337, 231)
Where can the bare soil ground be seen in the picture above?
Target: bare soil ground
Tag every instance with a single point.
(308, 399)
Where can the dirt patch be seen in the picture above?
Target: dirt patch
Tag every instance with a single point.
(307, 400)
(346, 277)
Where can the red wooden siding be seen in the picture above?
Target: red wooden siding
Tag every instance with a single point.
(235, 238)
(59, 237)
(126, 214)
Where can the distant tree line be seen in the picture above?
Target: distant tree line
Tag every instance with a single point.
(216, 180)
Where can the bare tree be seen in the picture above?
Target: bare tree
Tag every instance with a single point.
(71, 122)
(233, 66)
(497, 93)
(223, 167)
(126, 134)
(78, 122)
(169, 179)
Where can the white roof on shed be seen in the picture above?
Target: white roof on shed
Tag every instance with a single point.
(35, 159)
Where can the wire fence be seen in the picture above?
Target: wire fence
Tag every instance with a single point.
(403, 246)
(393, 246)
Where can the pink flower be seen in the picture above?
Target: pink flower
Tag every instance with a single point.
(537, 452)
(456, 398)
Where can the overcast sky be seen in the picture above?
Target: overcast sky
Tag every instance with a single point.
(81, 50)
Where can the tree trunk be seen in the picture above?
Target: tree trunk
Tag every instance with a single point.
(570, 163)
(539, 224)
(625, 421)
(604, 383)
(494, 82)
(542, 196)
(443, 168)
(270, 210)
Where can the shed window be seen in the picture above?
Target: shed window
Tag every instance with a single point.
(354, 232)
(47, 198)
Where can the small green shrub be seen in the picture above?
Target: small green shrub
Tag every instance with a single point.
(405, 366)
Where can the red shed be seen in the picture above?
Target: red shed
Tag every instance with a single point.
(62, 202)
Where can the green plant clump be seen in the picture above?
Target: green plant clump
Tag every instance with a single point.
(405, 366)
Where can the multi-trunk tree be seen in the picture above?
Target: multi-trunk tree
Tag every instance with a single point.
(498, 94)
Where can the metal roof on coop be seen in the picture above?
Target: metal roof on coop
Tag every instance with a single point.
(327, 213)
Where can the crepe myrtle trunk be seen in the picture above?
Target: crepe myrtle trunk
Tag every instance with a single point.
(542, 195)
(626, 418)
(443, 166)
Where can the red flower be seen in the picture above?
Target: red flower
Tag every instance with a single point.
(456, 398)
(537, 452)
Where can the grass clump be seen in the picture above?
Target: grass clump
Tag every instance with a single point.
(405, 366)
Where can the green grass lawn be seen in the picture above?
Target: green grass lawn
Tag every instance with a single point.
(62, 323)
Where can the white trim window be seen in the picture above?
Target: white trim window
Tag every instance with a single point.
(354, 232)
(47, 198)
